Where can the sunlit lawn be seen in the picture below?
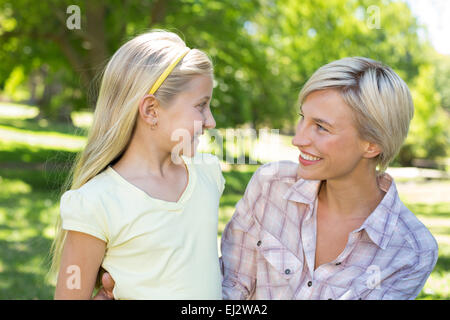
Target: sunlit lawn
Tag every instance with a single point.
(32, 161)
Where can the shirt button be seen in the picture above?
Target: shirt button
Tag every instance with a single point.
(258, 243)
(287, 271)
(309, 283)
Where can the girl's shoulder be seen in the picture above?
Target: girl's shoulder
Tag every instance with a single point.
(202, 159)
(93, 189)
(83, 209)
(205, 162)
(208, 165)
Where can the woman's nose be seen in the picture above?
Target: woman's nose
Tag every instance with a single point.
(301, 137)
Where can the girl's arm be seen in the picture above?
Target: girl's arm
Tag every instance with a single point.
(80, 262)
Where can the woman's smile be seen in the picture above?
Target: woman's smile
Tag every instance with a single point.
(307, 159)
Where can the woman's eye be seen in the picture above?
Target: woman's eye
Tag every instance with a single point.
(301, 115)
(320, 127)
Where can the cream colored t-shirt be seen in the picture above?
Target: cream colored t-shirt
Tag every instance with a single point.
(155, 249)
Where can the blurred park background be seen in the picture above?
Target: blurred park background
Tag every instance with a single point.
(263, 52)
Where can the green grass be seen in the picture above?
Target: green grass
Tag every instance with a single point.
(437, 218)
(33, 161)
(27, 211)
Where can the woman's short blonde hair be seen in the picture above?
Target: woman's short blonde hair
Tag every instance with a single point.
(380, 100)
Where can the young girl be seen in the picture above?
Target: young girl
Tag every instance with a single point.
(142, 205)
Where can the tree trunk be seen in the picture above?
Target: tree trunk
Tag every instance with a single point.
(95, 31)
(52, 87)
(64, 115)
(158, 12)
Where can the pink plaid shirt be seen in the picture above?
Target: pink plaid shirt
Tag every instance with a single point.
(268, 247)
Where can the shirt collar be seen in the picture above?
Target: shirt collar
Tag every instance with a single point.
(380, 225)
(381, 222)
(304, 191)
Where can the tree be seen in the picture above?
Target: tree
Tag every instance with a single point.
(263, 50)
(69, 60)
(301, 36)
(442, 78)
(428, 136)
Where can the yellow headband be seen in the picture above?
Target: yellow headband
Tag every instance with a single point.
(166, 73)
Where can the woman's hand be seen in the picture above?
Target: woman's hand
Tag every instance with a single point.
(106, 291)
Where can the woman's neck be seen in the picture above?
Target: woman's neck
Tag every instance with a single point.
(351, 197)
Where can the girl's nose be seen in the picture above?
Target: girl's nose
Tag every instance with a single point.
(210, 123)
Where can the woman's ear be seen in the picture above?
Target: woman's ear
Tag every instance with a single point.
(371, 150)
(148, 109)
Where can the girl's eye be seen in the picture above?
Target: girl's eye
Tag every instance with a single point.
(301, 115)
(321, 128)
(202, 106)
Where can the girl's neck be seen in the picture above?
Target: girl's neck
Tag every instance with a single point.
(146, 159)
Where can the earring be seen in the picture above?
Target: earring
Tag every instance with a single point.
(154, 123)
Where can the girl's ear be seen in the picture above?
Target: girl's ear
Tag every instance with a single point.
(148, 109)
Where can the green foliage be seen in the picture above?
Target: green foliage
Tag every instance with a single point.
(299, 37)
(442, 77)
(429, 135)
(263, 52)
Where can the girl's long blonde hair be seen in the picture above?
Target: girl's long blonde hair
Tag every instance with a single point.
(128, 76)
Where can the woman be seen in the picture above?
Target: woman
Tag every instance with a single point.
(333, 226)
